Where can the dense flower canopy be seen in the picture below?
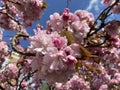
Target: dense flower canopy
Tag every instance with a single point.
(76, 51)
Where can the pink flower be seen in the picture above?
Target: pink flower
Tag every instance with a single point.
(24, 84)
(58, 21)
(40, 41)
(8, 23)
(80, 27)
(85, 16)
(31, 9)
(55, 68)
(76, 52)
(116, 78)
(55, 23)
(75, 83)
(116, 9)
(11, 71)
(115, 41)
(68, 17)
(70, 59)
(2, 77)
(103, 87)
(108, 2)
(3, 48)
(58, 41)
(113, 28)
(54, 61)
(66, 14)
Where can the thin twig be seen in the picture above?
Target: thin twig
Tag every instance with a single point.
(27, 76)
(103, 15)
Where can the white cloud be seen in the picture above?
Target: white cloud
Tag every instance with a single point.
(93, 5)
(1, 30)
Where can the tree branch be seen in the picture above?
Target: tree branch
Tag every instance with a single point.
(13, 43)
(1, 88)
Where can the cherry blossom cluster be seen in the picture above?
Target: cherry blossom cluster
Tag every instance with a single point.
(52, 51)
(74, 83)
(20, 12)
(59, 58)
(74, 52)
(77, 23)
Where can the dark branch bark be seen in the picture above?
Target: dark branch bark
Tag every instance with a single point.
(13, 43)
(1, 88)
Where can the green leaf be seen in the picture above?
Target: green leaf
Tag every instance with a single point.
(44, 86)
(86, 53)
(69, 36)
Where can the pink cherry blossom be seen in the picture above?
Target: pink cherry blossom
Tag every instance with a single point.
(113, 28)
(115, 41)
(103, 87)
(24, 85)
(57, 64)
(58, 41)
(11, 71)
(116, 9)
(75, 83)
(74, 51)
(116, 78)
(4, 47)
(108, 2)
(85, 16)
(55, 23)
(80, 27)
(41, 41)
